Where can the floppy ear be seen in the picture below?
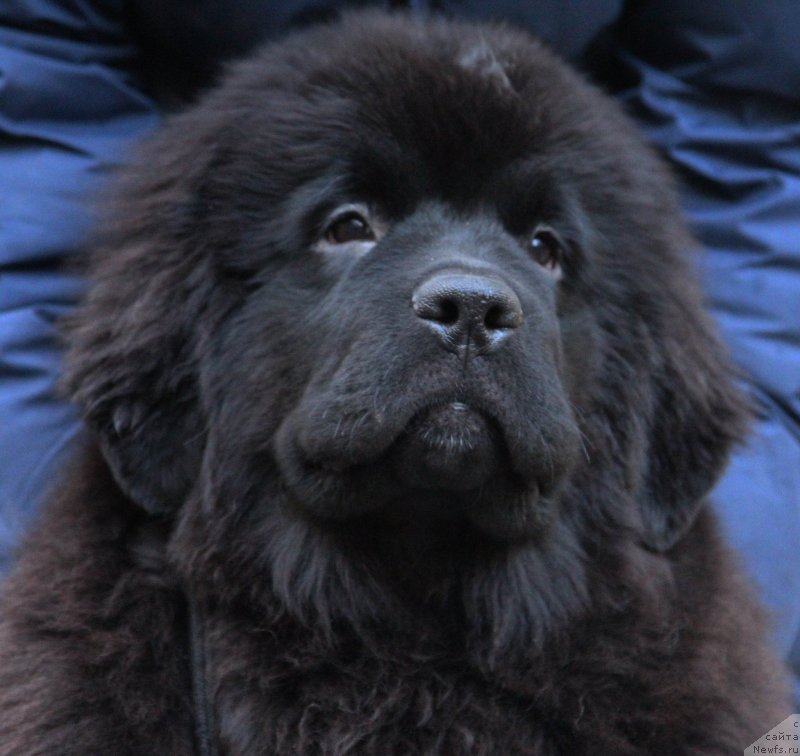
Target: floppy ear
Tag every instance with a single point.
(130, 368)
(130, 361)
(153, 447)
(698, 415)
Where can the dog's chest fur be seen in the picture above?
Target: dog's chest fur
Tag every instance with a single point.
(301, 699)
(401, 696)
(117, 674)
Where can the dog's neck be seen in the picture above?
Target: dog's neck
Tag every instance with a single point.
(402, 575)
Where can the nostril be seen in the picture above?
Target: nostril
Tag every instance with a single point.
(493, 318)
(449, 312)
(437, 307)
(499, 317)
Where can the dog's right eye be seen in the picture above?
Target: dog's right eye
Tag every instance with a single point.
(349, 227)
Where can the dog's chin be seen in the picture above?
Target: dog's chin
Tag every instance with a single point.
(449, 447)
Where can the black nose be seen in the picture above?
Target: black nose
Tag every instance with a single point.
(465, 309)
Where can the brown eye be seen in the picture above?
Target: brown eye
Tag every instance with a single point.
(546, 250)
(349, 227)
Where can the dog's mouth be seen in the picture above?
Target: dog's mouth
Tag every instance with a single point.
(454, 458)
(449, 446)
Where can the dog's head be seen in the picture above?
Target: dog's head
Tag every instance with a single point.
(399, 275)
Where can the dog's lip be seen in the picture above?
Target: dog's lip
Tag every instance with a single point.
(448, 445)
(464, 421)
(461, 409)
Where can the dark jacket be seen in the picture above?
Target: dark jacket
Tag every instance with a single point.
(714, 85)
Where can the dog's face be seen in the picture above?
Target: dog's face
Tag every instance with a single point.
(412, 326)
(405, 286)
(394, 276)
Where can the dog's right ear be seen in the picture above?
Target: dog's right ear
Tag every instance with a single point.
(153, 447)
(130, 367)
(131, 353)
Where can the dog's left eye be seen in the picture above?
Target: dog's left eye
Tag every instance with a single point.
(545, 248)
(350, 226)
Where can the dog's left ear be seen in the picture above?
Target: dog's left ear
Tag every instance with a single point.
(698, 415)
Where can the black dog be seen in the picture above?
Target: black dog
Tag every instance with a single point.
(403, 410)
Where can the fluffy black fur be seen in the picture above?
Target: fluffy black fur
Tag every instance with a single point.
(392, 363)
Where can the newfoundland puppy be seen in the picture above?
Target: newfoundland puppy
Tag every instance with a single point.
(402, 409)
